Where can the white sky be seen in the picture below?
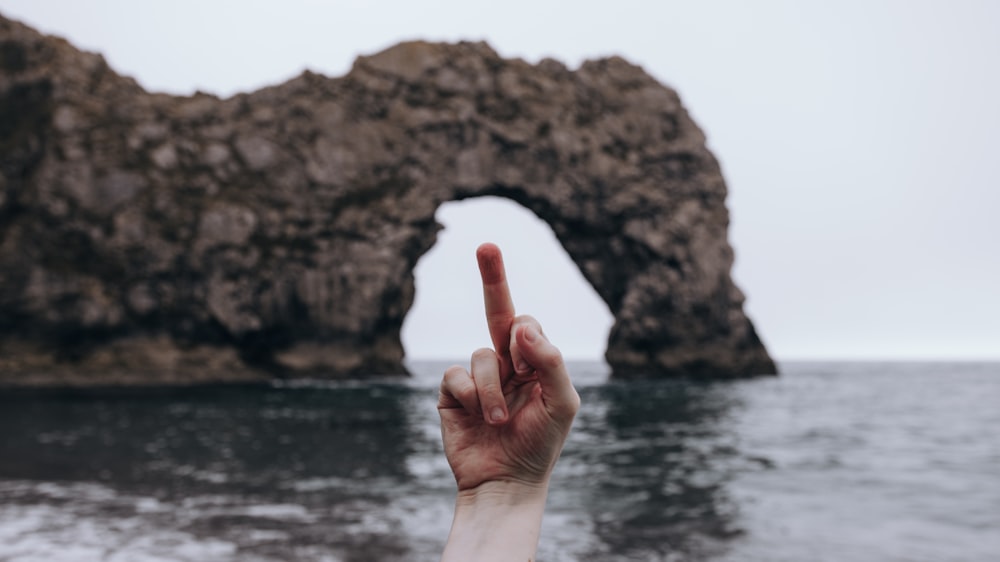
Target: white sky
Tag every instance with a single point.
(859, 140)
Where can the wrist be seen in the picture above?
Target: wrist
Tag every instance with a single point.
(503, 494)
(497, 520)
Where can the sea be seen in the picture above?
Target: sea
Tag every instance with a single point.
(830, 461)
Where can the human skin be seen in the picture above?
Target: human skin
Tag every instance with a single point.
(503, 424)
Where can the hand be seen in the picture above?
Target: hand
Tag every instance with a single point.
(506, 421)
(503, 426)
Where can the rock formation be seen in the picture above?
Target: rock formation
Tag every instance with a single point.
(148, 238)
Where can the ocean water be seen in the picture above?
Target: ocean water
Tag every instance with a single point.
(828, 462)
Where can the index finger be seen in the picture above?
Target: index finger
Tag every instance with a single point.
(496, 296)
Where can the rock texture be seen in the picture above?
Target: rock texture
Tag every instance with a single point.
(148, 238)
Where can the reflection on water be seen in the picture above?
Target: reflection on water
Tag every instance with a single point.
(828, 462)
(650, 463)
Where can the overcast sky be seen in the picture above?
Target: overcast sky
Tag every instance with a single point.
(860, 141)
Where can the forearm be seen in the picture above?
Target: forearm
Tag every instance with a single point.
(499, 521)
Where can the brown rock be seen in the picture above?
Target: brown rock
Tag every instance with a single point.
(147, 238)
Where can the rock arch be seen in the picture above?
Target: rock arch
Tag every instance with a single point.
(445, 321)
(151, 238)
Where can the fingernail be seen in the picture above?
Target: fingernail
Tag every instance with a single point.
(496, 415)
(522, 365)
(530, 334)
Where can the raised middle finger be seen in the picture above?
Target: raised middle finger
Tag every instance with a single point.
(498, 303)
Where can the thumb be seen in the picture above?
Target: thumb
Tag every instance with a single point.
(561, 399)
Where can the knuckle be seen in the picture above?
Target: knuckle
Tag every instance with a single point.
(452, 375)
(552, 359)
(452, 378)
(483, 354)
(525, 319)
(458, 385)
(568, 404)
(498, 319)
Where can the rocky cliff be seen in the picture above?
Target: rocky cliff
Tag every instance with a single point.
(148, 238)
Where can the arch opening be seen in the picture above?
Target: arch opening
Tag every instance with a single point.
(446, 321)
